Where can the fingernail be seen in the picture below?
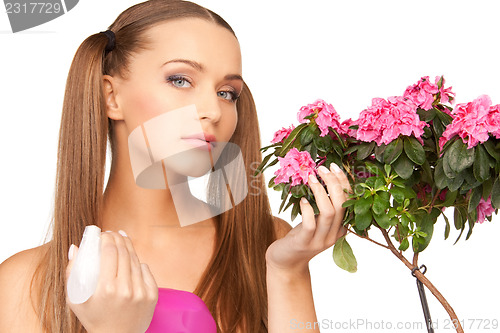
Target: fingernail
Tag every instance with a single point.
(108, 231)
(313, 179)
(121, 232)
(323, 169)
(303, 200)
(71, 251)
(335, 168)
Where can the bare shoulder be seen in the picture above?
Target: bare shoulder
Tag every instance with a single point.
(281, 226)
(16, 309)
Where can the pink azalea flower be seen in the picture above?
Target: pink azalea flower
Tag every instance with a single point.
(296, 164)
(494, 121)
(442, 194)
(325, 116)
(422, 93)
(385, 120)
(345, 130)
(282, 134)
(484, 209)
(423, 191)
(473, 121)
(446, 95)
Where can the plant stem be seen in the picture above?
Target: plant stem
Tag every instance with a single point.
(368, 238)
(433, 200)
(425, 281)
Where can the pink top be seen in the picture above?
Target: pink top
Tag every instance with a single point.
(180, 311)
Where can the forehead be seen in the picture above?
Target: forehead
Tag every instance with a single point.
(208, 43)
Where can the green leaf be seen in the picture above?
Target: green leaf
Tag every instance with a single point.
(387, 169)
(495, 194)
(403, 166)
(261, 165)
(379, 205)
(349, 203)
(458, 219)
(379, 152)
(439, 176)
(472, 222)
(324, 143)
(487, 186)
(455, 183)
(426, 224)
(372, 168)
(428, 172)
(392, 151)
(404, 245)
(426, 115)
(450, 198)
(298, 191)
(363, 220)
(307, 135)
(448, 170)
(490, 148)
(365, 149)
(290, 139)
(438, 127)
(263, 149)
(286, 191)
(459, 157)
(295, 211)
(382, 220)
(445, 118)
(474, 199)
(351, 150)
(312, 150)
(398, 194)
(343, 255)
(270, 165)
(481, 164)
(363, 205)
(271, 182)
(414, 150)
(447, 228)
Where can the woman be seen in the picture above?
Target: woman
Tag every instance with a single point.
(249, 268)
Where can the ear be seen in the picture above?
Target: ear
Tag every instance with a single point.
(112, 109)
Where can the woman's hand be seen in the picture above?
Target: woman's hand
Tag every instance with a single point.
(126, 293)
(315, 233)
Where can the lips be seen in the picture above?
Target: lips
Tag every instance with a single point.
(201, 140)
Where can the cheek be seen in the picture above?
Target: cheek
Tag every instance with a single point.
(142, 105)
(232, 122)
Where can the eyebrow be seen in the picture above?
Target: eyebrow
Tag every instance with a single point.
(201, 68)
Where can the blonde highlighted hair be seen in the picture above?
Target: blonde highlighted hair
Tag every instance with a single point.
(233, 286)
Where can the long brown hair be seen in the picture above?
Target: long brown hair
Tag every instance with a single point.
(233, 285)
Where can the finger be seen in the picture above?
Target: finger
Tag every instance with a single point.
(123, 272)
(135, 265)
(109, 258)
(325, 206)
(71, 261)
(308, 222)
(337, 194)
(149, 280)
(342, 178)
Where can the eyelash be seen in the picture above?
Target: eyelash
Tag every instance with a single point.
(172, 78)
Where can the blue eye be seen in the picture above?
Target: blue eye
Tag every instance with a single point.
(229, 95)
(179, 81)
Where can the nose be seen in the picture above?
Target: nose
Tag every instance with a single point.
(208, 107)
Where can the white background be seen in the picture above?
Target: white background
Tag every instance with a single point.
(345, 52)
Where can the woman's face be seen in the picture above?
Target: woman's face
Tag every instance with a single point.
(191, 62)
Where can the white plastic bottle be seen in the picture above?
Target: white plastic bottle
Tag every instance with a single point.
(82, 281)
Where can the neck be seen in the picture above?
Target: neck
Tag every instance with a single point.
(149, 215)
